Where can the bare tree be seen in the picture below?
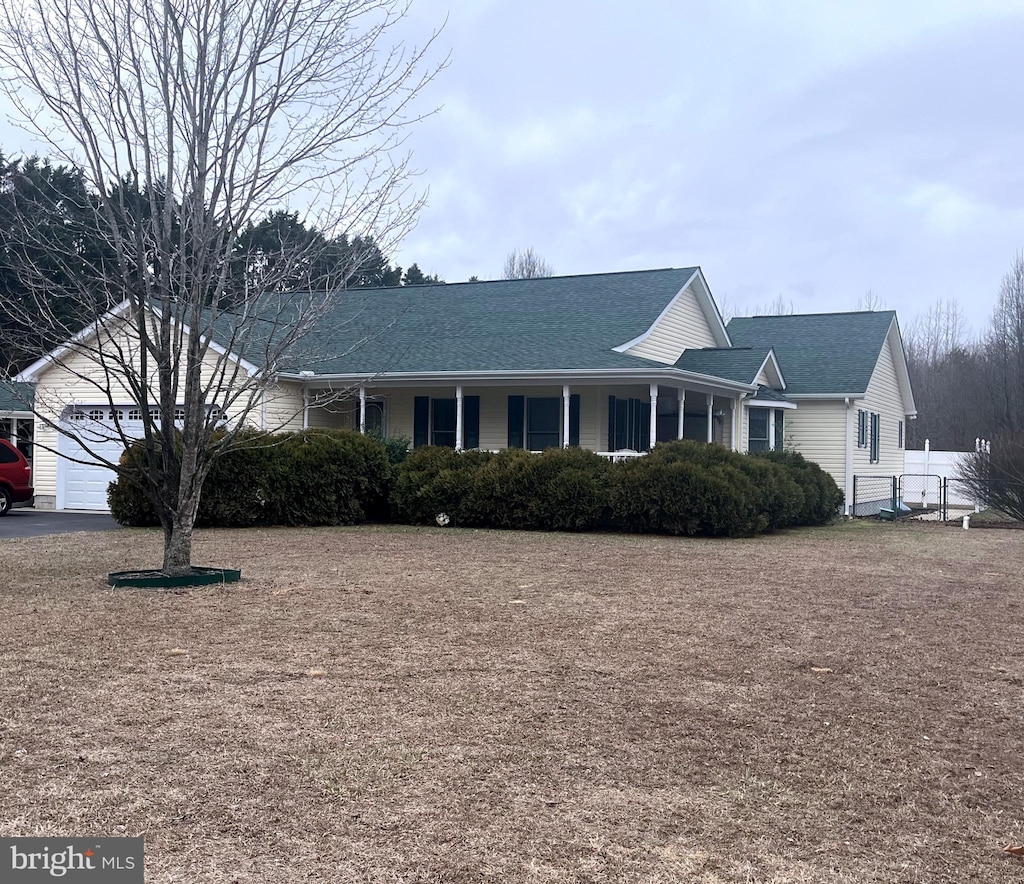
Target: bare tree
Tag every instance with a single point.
(190, 119)
(995, 475)
(778, 307)
(870, 301)
(1005, 349)
(525, 264)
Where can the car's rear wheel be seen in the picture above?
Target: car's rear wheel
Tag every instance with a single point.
(5, 501)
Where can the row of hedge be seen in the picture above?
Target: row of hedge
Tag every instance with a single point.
(341, 478)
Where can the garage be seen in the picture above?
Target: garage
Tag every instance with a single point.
(81, 479)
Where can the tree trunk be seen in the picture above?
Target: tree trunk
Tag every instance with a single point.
(178, 540)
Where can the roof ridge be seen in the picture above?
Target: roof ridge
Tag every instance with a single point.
(427, 285)
(826, 313)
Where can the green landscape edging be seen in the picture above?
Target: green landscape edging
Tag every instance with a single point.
(157, 580)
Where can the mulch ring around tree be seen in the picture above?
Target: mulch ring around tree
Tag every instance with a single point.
(156, 579)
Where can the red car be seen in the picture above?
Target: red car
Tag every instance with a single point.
(15, 477)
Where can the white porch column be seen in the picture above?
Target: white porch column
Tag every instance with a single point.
(458, 418)
(305, 407)
(682, 412)
(711, 418)
(654, 415)
(732, 428)
(565, 415)
(771, 429)
(848, 468)
(362, 410)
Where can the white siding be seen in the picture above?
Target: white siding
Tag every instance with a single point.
(683, 325)
(818, 431)
(884, 398)
(283, 407)
(79, 380)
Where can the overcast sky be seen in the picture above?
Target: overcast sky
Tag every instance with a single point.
(809, 150)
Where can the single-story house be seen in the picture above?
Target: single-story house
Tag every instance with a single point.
(612, 362)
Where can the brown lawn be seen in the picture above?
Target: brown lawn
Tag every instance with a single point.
(389, 704)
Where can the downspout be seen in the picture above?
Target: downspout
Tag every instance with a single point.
(848, 477)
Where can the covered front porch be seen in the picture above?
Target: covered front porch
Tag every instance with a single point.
(601, 416)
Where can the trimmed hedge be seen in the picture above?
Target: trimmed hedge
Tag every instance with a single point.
(681, 487)
(557, 490)
(821, 497)
(322, 477)
(339, 477)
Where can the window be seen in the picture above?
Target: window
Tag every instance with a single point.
(876, 433)
(758, 435)
(900, 442)
(134, 414)
(442, 422)
(765, 429)
(862, 428)
(543, 423)
(97, 414)
(629, 424)
(434, 421)
(535, 422)
(179, 414)
(376, 417)
(7, 456)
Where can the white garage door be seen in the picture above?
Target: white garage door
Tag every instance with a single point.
(81, 480)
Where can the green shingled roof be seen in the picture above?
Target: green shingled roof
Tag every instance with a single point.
(767, 394)
(735, 364)
(819, 352)
(565, 322)
(15, 397)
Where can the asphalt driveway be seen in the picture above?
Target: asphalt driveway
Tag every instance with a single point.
(35, 523)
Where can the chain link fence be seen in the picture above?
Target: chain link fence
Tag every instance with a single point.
(927, 496)
(873, 494)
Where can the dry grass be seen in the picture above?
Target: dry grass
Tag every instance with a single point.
(387, 704)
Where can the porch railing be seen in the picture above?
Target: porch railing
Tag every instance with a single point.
(624, 454)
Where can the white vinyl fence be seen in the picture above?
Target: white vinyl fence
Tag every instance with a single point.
(937, 463)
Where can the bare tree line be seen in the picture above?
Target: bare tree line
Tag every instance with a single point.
(968, 387)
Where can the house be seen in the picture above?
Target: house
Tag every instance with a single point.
(610, 362)
(17, 422)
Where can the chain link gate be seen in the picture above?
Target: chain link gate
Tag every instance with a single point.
(923, 493)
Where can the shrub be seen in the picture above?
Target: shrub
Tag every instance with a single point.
(741, 496)
(321, 477)
(128, 502)
(327, 477)
(557, 490)
(434, 480)
(821, 497)
(396, 448)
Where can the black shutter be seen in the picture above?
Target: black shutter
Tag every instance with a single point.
(516, 406)
(574, 419)
(644, 434)
(471, 421)
(611, 423)
(420, 420)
